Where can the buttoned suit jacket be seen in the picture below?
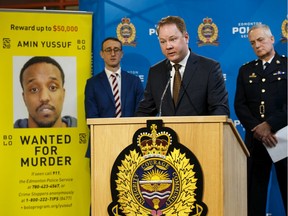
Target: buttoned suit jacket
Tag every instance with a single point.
(202, 91)
(99, 99)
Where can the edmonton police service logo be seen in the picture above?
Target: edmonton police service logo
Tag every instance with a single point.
(284, 28)
(156, 176)
(126, 32)
(207, 33)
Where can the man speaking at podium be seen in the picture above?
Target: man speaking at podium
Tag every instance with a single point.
(184, 84)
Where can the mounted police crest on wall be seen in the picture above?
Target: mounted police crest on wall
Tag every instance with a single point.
(156, 176)
(284, 29)
(126, 32)
(207, 33)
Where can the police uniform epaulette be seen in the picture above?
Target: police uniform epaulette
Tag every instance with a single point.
(251, 62)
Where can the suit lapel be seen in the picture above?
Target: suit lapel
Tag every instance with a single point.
(168, 99)
(124, 87)
(189, 72)
(164, 76)
(190, 69)
(106, 85)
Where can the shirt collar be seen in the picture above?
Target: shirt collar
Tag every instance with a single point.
(269, 61)
(183, 62)
(108, 72)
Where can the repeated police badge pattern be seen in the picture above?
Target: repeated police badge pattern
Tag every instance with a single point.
(207, 33)
(156, 176)
(126, 32)
(284, 29)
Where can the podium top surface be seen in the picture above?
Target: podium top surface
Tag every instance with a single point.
(167, 119)
(170, 120)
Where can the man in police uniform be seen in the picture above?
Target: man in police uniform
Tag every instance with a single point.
(261, 106)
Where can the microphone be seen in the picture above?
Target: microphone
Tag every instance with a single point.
(169, 68)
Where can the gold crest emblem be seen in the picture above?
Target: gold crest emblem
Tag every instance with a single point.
(155, 179)
(253, 75)
(126, 32)
(284, 28)
(207, 33)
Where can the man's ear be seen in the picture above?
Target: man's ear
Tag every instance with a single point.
(23, 98)
(273, 39)
(101, 54)
(186, 35)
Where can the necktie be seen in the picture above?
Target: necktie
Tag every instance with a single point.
(116, 94)
(265, 66)
(177, 83)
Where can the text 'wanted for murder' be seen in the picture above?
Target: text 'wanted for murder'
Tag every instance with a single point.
(46, 150)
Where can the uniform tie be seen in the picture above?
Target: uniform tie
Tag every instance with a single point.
(265, 66)
(177, 83)
(116, 94)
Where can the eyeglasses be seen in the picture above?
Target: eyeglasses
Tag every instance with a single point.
(109, 50)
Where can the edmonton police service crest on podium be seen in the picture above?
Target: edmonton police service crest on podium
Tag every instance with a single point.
(156, 176)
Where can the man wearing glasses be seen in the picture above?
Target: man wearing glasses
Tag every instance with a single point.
(113, 92)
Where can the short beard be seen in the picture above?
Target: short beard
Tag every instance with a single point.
(45, 124)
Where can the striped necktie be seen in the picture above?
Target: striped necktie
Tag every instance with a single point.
(116, 94)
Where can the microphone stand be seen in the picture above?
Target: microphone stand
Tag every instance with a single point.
(169, 66)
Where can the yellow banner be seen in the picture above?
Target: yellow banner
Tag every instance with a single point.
(44, 170)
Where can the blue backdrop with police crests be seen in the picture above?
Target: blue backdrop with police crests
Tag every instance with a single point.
(230, 21)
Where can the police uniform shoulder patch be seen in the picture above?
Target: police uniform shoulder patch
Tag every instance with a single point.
(156, 176)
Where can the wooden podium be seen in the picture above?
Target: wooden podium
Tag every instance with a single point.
(212, 139)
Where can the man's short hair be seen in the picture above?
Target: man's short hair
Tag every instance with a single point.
(113, 39)
(41, 59)
(266, 29)
(178, 21)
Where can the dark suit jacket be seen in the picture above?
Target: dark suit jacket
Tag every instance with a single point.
(203, 90)
(251, 83)
(99, 100)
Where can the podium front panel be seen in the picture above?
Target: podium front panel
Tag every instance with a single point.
(211, 139)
